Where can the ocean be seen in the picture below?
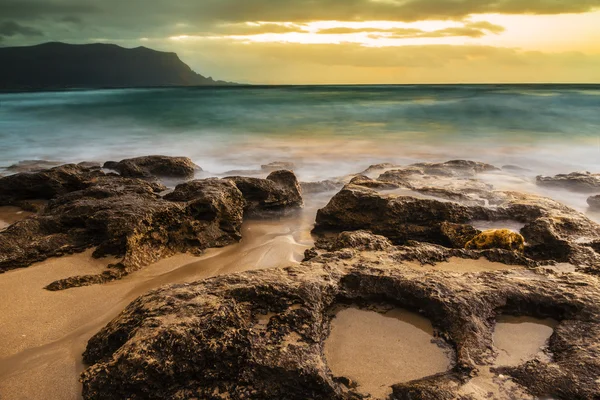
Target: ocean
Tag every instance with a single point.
(326, 131)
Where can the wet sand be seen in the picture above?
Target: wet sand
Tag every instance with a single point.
(44, 333)
(378, 350)
(9, 215)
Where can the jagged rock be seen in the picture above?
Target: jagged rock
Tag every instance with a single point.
(399, 218)
(553, 232)
(320, 187)
(583, 182)
(205, 339)
(279, 192)
(154, 166)
(359, 240)
(46, 184)
(497, 239)
(126, 218)
(594, 202)
(365, 181)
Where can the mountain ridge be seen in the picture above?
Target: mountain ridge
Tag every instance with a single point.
(57, 65)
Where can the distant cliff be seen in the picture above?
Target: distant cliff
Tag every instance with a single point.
(61, 65)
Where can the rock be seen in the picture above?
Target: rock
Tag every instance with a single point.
(154, 166)
(92, 165)
(278, 165)
(206, 339)
(32, 166)
(497, 239)
(280, 192)
(553, 232)
(399, 218)
(594, 202)
(359, 240)
(365, 181)
(455, 168)
(583, 182)
(46, 184)
(378, 168)
(126, 218)
(320, 187)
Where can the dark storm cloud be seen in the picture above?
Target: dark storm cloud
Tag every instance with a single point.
(11, 28)
(131, 19)
(215, 11)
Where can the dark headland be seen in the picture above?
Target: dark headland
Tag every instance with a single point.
(54, 65)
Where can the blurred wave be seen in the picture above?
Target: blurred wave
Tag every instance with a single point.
(549, 127)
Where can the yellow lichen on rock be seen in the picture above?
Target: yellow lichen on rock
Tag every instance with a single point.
(497, 239)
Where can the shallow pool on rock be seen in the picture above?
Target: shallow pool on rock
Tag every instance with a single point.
(376, 350)
(519, 339)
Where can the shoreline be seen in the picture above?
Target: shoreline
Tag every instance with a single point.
(45, 333)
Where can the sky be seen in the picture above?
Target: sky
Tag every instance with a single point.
(335, 41)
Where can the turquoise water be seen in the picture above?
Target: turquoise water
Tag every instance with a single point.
(326, 130)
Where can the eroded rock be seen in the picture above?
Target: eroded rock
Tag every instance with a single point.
(278, 193)
(553, 232)
(260, 334)
(154, 166)
(584, 182)
(594, 202)
(126, 218)
(46, 184)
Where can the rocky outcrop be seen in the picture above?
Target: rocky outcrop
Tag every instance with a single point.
(553, 232)
(594, 202)
(154, 166)
(280, 192)
(399, 218)
(126, 218)
(260, 334)
(583, 182)
(46, 184)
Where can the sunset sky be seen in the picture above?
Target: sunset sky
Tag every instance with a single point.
(335, 41)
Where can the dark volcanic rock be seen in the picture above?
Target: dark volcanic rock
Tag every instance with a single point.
(154, 166)
(46, 184)
(206, 339)
(125, 217)
(594, 202)
(583, 182)
(553, 232)
(279, 192)
(399, 218)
